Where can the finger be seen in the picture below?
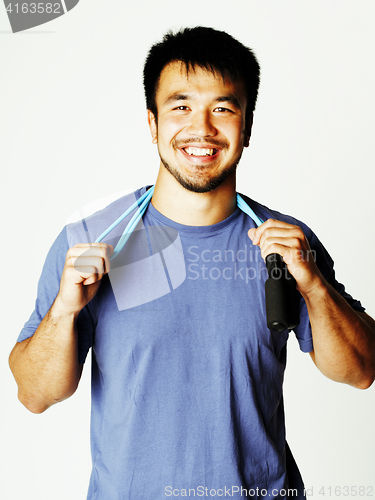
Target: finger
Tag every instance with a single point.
(105, 252)
(251, 233)
(290, 233)
(255, 234)
(277, 223)
(84, 264)
(81, 275)
(91, 279)
(86, 251)
(90, 249)
(87, 275)
(293, 251)
(107, 258)
(275, 247)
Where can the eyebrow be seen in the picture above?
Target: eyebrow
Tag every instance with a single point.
(229, 98)
(178, 96)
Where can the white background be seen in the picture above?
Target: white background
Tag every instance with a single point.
(73, 129)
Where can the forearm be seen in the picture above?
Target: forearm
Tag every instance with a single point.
(46, 366)
(344, 340)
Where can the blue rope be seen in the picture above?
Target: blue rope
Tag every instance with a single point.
(245, 208)
(141, 205)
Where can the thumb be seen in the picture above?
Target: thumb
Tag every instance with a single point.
(251, 233)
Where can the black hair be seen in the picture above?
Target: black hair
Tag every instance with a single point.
(210, 49)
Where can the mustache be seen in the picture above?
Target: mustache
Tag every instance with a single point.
(208, 140)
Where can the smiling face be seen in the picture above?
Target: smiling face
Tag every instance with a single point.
(200, 129)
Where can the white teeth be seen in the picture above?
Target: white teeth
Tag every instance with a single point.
(199, 151)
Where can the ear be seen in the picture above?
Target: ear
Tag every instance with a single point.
(248, 127)
(153, 126)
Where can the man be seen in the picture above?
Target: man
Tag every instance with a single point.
(187, 378)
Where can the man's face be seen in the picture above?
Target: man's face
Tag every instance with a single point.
(201, 128)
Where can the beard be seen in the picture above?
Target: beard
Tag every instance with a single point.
(197, 184)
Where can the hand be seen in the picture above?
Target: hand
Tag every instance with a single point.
(289, 241)
(85, 266)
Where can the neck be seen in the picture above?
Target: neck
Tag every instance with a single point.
(190, 208)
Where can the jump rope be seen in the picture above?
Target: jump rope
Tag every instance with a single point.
(281, 295)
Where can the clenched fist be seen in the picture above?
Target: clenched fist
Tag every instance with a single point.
(289, 241)
(85, 266)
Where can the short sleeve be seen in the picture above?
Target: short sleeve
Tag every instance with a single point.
(48, 288)
(326, 267)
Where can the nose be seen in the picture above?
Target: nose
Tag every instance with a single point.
(201, 124)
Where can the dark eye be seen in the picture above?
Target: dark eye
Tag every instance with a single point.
(222, 110)
(182, 108)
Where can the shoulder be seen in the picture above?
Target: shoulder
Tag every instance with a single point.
(320, 254)
(266, 213)
(88, 223)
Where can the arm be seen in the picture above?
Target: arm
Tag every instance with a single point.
(46, 366)
(344, 340)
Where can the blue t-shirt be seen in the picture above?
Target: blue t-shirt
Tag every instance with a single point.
(186, 377)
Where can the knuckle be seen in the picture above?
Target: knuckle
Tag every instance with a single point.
(69, 253)
(299, 233)
(69, 262)
(297, 244)
(272, 248)
(266, 233)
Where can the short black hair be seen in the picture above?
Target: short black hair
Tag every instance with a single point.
(210, 49)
